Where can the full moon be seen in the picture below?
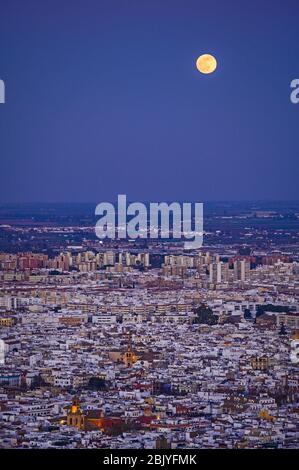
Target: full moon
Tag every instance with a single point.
(206, 63)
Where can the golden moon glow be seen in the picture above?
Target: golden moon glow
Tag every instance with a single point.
(206, 63)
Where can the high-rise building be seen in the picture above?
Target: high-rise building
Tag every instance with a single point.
(109, 258)
(218, 272)
(241, 270)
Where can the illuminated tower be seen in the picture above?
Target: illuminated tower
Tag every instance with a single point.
(75, 416)
(129, 357)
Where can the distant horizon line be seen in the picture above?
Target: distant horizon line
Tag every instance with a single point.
(207, 201)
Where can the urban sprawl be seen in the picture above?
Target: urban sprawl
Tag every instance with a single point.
(130, 347)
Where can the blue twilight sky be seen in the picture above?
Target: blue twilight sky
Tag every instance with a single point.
(103, 97)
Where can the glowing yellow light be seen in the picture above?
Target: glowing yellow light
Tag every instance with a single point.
(206, 63)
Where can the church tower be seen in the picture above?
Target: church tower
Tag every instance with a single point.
(129, 357)
(75, 416)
